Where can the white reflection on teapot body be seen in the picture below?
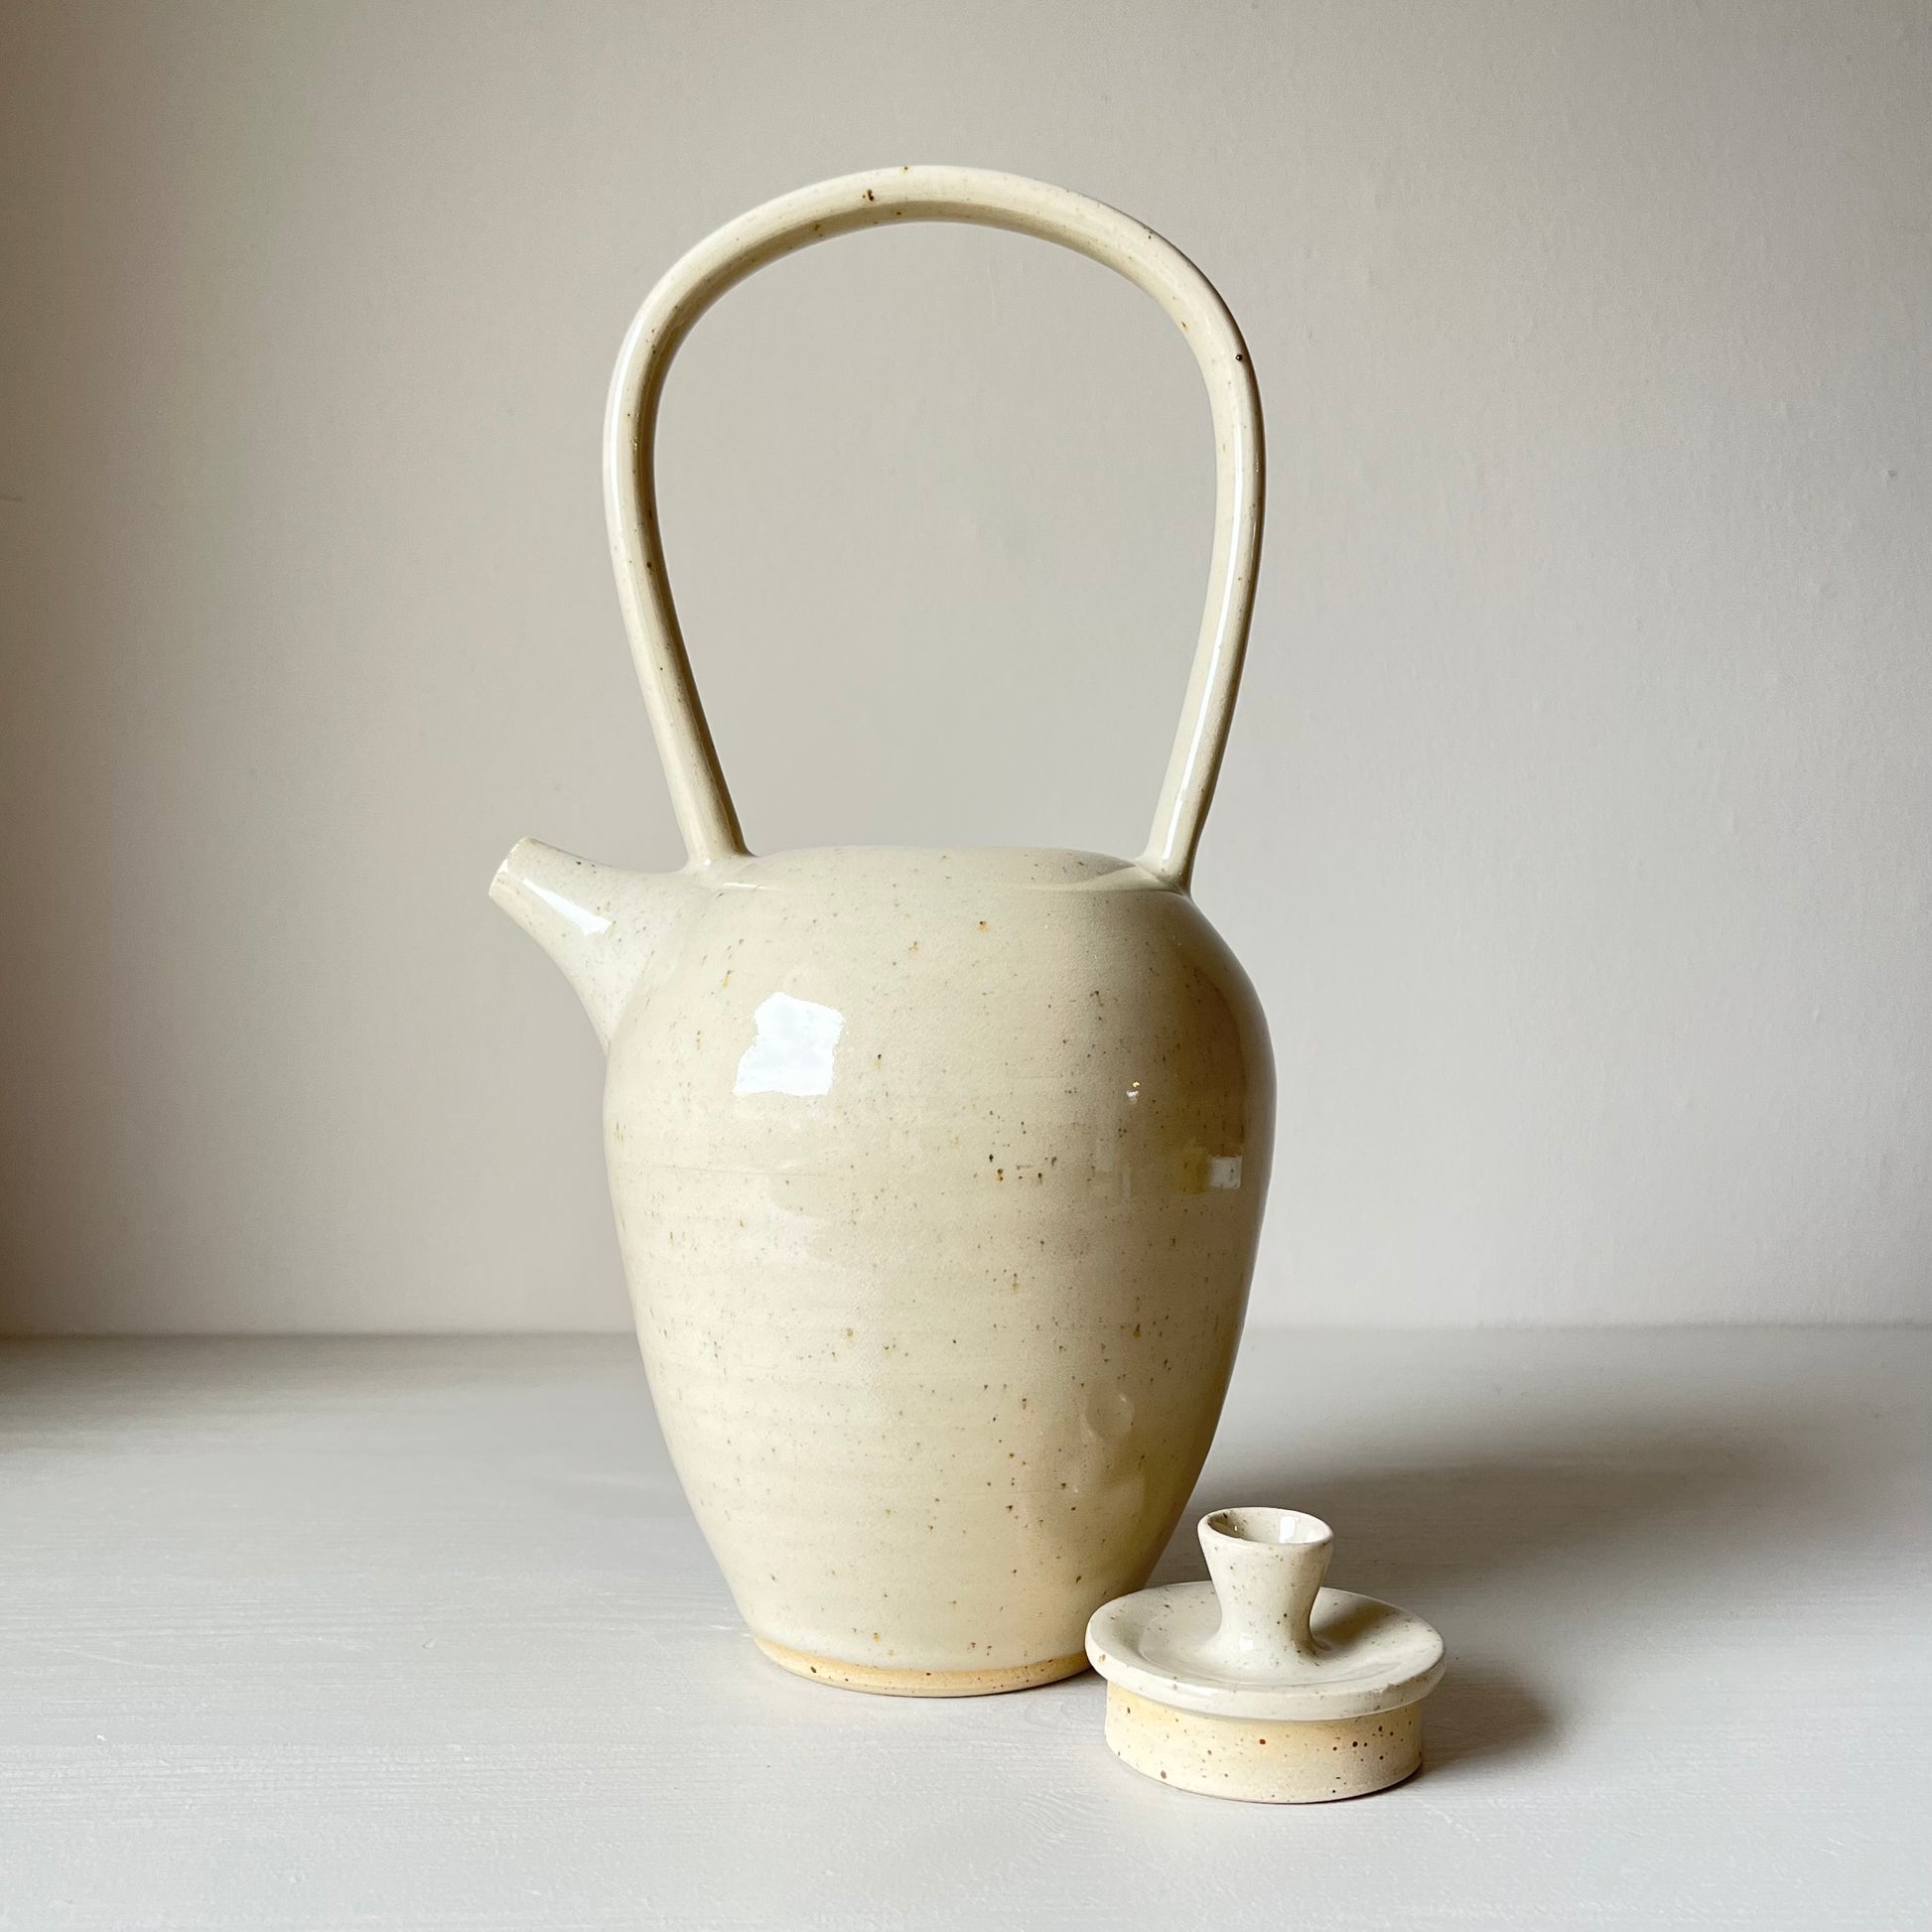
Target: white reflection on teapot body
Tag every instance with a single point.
(792, 1051)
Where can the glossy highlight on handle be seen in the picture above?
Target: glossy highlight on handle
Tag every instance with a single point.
(699, 795)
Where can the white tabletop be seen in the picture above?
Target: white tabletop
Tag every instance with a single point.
(358, 1634)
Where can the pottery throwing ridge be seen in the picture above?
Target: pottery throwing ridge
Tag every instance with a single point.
(937, 1173)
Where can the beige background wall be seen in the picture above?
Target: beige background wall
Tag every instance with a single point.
(1578, 828)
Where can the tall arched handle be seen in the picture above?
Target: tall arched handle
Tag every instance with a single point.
(703, 804)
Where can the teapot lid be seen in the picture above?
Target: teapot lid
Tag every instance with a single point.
(1262, 1683)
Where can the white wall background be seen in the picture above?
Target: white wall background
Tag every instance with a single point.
(1577, 826)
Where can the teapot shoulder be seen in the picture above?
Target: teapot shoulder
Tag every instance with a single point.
(936, 978)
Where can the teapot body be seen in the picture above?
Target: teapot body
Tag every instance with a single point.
(939, 1177)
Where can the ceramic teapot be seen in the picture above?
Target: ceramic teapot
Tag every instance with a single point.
(937, 1173)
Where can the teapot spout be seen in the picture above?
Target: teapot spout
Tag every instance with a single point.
(603, 926)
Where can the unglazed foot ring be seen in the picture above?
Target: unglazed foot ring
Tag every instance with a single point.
(883, 1682)
(1266, 1763)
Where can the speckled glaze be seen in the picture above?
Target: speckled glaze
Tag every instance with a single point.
(937, 1173)
(1260, 1684)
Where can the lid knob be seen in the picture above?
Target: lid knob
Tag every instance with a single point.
(1267, 1565)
